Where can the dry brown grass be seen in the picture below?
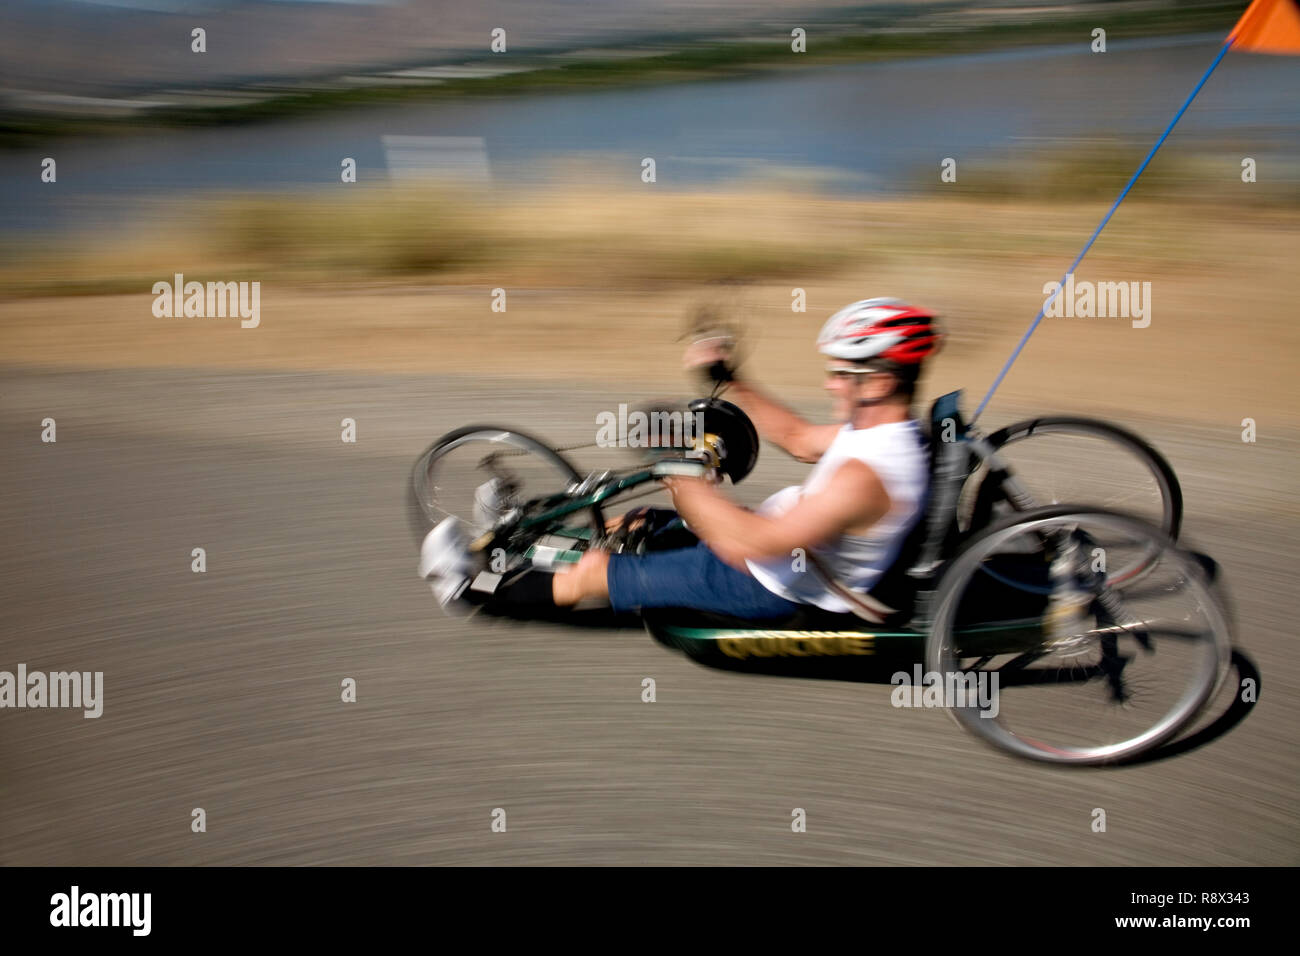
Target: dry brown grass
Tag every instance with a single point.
(599, 280)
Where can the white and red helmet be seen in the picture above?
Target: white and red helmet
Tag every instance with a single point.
(885, 329)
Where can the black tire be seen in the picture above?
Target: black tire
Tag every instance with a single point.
(946, 636)
(419, 512)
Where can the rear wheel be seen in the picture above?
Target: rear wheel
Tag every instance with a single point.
(480, 472)
(1076, 461)
(1093, 671)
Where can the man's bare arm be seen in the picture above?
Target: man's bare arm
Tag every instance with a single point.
(779, 425)
(784, 428)
(853, 498)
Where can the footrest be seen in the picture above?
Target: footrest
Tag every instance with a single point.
(679, 468)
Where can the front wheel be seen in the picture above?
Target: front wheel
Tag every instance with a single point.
(480, 472)
(1088, 670)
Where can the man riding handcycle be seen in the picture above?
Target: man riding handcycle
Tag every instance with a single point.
(849, 519)
(1040, 558)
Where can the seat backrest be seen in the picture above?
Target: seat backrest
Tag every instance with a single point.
(946, 423)
(949, 466)
(924, 544)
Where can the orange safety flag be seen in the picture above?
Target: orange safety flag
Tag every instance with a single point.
(1268, 26)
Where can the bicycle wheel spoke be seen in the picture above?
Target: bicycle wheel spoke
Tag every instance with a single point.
(483, 475)
(1114, 670)
(1081, 462)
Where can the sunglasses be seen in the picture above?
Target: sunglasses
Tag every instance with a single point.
(846, 374)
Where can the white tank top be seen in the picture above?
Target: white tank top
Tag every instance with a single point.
(896, 453)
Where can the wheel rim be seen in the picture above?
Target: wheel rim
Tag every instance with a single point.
(449, 479)
(1080, 688)
(1083, 463)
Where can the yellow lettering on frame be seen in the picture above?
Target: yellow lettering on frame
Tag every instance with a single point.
(798, 644)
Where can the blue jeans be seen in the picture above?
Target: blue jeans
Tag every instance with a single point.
(692, 578)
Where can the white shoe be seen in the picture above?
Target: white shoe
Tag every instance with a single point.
(445, 562)
(489, 504)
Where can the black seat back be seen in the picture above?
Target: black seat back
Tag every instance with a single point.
(925, 543)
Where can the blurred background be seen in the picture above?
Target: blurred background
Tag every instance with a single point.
(524, 170)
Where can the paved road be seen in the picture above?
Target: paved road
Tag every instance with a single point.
(222, 690)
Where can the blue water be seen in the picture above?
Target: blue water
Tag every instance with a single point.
(864, 127)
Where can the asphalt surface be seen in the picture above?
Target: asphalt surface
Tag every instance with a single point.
(222, 689)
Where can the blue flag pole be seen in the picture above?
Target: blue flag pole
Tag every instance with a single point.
(1124, 192)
